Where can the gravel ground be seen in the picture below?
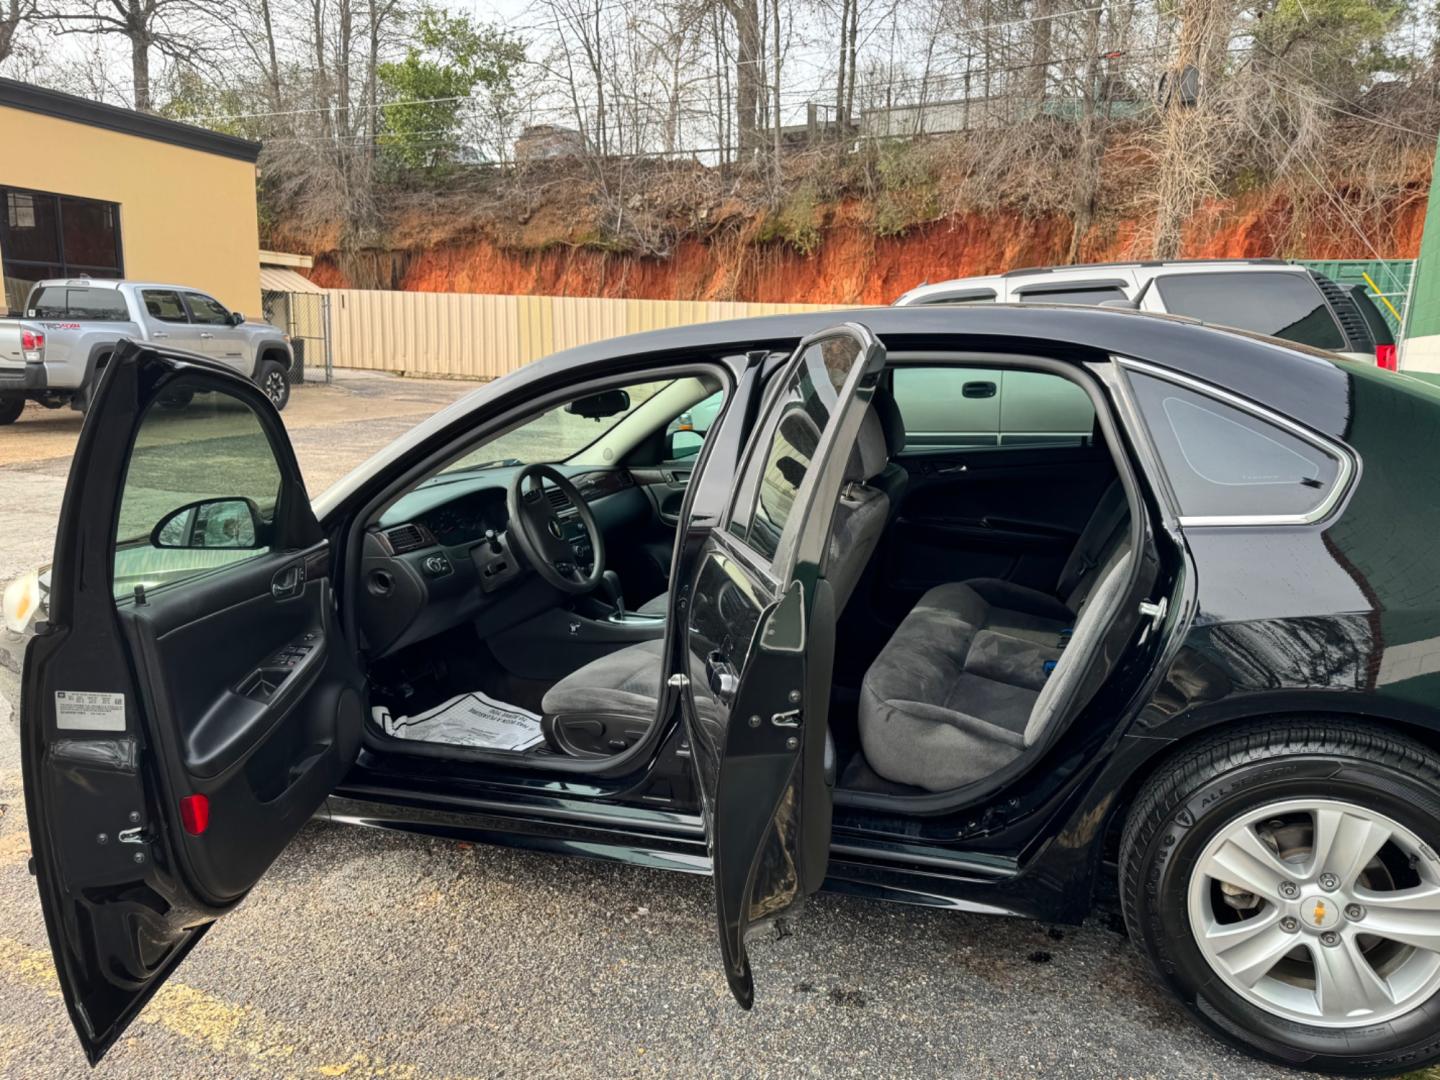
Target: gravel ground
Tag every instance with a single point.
(368, 954)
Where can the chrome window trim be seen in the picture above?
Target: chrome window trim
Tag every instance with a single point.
(1345, 474)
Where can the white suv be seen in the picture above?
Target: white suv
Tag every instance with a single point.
(1267, 296)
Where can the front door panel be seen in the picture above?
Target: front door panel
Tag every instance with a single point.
(190, 702)
(761, 646)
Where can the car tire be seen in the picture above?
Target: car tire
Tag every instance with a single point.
(11, 406)
(274, 383)
(1263, 784)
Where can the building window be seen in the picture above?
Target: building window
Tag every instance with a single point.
(51, 236)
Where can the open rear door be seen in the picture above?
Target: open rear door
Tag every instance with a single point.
(190, 702)
(761, 637)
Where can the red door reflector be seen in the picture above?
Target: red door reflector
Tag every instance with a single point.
(195, 814)
(1387, 357)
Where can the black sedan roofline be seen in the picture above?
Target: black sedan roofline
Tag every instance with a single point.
(1302, 383)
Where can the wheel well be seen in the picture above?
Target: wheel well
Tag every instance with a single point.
(274, 352)
(1427, 736)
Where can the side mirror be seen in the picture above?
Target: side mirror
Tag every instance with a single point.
(232, 524)
(683, 443)
(236, 318)
(599, 406)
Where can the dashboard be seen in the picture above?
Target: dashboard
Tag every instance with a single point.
(441, 555)
(468, 518)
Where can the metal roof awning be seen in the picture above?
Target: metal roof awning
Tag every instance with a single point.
(279, 279)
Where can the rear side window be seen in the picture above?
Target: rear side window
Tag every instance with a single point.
(958, 296)
(956, 407)
(164, 305)
(1224, 462)
(78, 304)
(1080, 294)
(1282, 305)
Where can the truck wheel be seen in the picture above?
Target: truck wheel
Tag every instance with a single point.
(1284, 883)
(11, 406)
(274, 382)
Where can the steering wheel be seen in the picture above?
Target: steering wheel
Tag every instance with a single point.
(540, 534)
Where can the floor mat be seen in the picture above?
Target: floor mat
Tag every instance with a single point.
(473, 719)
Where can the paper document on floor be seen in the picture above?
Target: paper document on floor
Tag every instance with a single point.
(473, 719)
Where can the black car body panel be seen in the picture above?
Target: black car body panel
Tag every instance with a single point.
(1337, 617)
(1235, 624)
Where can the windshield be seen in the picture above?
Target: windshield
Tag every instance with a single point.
(557, 434)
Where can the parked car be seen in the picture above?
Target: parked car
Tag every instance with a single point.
(1267, 296)
(69, 329)
(1189, 645)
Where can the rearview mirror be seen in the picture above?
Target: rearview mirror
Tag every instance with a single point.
(232, 524)
(236, 318)
(599, 406)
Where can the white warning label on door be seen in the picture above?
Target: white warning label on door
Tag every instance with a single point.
(89, 710)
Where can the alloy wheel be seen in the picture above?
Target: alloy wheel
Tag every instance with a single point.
(1319, 911)
(274, 387)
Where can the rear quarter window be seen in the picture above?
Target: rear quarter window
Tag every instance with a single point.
(1282, 305)
(78, 304)
(1226, 462)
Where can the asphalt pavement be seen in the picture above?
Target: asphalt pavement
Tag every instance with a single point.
(371, 954)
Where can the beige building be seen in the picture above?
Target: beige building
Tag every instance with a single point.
(92, 189)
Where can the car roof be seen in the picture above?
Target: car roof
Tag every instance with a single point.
(1157, 264)
(115, 283)
(1272, 372)
(1143, 269)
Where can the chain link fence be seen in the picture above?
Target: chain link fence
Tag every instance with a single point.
(305, 316)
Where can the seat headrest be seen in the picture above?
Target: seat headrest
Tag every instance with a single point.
(868, 456)
(891, 422)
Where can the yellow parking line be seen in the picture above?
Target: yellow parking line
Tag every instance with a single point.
(209, 1023)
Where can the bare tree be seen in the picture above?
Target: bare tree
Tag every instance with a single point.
(13, 15)
(168, 27)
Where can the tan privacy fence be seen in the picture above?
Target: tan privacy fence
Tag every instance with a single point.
(482, 336)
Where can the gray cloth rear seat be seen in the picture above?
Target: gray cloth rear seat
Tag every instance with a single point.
(961, 689)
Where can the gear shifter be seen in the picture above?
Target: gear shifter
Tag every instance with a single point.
(609, 590)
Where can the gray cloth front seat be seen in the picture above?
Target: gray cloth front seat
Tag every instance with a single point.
(627, 682)
(978, 671)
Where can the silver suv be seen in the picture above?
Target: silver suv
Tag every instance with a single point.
(1266, 296)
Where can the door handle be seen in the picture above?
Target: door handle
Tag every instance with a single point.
(159, 334)
(288, 582)
(205, 335)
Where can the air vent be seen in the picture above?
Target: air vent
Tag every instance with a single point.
(559, 500)
(405, 538)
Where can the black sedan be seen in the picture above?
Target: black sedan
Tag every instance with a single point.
(970, 608)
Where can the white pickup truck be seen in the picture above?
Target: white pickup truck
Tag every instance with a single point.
(68, 328)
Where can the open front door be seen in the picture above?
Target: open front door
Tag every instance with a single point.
(190, 702)
(761, 637)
